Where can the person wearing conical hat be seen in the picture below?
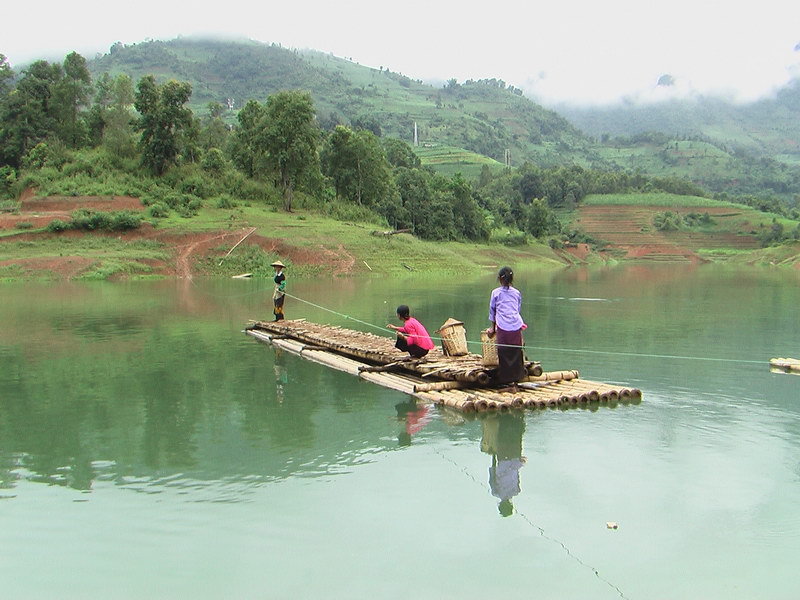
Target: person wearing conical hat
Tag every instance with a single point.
(279, 295)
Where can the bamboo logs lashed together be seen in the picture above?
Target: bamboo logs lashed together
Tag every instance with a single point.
(462, 381)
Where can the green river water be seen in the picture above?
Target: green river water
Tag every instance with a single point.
(150, 449)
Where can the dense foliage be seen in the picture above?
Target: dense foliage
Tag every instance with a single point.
(66, 134)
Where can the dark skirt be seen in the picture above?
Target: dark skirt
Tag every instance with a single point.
(412, 349)
(278, 307)
(510, 357)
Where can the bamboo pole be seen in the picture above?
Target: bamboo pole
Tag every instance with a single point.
(458, 400)
(439, 385)
(554, 376)
(236, 244)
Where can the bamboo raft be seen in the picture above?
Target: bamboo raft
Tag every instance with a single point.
(791, 365)
(458, 382)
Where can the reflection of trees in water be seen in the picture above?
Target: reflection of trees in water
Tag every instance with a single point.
(502, 439)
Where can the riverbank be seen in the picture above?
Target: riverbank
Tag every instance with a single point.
(228, 242)
(309, 243)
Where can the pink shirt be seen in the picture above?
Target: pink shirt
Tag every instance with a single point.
(416, 334)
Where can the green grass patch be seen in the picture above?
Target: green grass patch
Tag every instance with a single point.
(88, 246)
(111, 267)
(654, 199)
(449, 160)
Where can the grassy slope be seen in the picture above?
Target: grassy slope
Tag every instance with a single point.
(311, 243)
(315, 244)
(450, 160)
(627, 219)
(383, 254)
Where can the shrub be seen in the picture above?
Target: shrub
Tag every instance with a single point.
(667, 221)
(159, 210)
(124, 220)
(214, 161)
(89, 220)
(57, 226)
(226, 201)
(345, 211)
(24, 225)
(8, 177)
(516, 238)
(694, 219)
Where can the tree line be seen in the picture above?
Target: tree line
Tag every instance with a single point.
(56, 124)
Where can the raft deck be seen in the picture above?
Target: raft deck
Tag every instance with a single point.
(459, 382)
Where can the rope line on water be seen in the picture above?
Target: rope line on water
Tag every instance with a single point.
(539, 528)
(529, 347)
(525, 346)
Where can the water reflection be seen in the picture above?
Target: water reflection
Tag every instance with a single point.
(414, 418)
(281, 375)
(501, 437)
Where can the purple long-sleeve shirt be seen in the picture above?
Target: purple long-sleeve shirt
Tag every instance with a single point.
(504, 307)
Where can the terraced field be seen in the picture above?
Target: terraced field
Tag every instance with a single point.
(450, 160)
(629, 228)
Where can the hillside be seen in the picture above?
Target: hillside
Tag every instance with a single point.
(245, 239)
(627, 226)
(767, 128)
(744, 150)
(485, 117)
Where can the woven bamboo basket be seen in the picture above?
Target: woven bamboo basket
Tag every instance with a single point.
(489, 350)
(454, 338)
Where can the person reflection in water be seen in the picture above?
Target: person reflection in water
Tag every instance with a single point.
(281, 375)
(502, 438)
(415, 418)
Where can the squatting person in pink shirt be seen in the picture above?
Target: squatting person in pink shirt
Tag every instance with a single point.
(412, 337)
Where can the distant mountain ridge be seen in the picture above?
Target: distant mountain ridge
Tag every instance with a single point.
(487, 117)
(768, 127)
(748, 149)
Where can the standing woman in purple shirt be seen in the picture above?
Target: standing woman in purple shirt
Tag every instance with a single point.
(507, 326)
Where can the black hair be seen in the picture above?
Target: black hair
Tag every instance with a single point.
(506, 276)
(403, 311)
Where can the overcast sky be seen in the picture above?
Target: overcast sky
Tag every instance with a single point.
(556, 50)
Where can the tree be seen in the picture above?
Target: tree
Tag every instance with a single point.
(97, 115)
(70, 97)
(6, 76)
(369, 123)
(163, 120)
(118, 133)
(242, 145)
(400, 154)
(28, 114)
(357, 165)
(289, 140)
(468, 220)
(539, 218)
(214, 132)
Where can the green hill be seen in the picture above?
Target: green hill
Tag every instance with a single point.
(752, 149)
(486, 117)
(766, 128)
